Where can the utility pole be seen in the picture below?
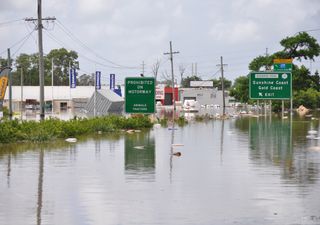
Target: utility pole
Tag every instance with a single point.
(172, 74)
(21, 83)
(41, 62)
(10, 85)
(143, 64)
(192, 70)
(52, 68)
(222, 86)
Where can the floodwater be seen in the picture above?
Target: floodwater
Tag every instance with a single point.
(239, 171)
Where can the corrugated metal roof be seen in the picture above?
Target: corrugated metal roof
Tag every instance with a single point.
(104, 103)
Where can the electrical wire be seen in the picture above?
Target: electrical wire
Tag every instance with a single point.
(22, 44)
(18, 42)
(9, 22)
(62, 44)
(74, 38)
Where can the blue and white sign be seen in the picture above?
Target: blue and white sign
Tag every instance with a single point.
(98, 80)
(73, 78)
(112, 81)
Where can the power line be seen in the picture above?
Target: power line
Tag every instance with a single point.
(9, 22)
(18, 42)
(62, 44)
(74, 38)
(22, 44)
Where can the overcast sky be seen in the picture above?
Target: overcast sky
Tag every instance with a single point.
(128, 32)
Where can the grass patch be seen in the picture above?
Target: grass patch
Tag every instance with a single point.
(51, 129)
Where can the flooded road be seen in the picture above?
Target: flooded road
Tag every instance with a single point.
(238, 171)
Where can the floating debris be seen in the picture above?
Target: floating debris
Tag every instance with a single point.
(176, 153)
(314, 148)
(71, 140)
(177, 145)
(139, 147)
(312, 132)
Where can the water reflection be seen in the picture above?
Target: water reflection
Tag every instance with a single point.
(9, 170)
(40, 185)
(221, 140)
(271, 143)
(231, 172)
(140, 156)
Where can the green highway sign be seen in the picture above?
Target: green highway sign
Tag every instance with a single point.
(282, 64)
(140, 95)
(282, 67)
(270, 85)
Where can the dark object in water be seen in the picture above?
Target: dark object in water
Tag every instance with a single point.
(177, 153)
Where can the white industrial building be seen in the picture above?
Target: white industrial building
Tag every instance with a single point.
(60, 97)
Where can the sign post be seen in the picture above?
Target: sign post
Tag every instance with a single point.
(140, 95)
(270, 85)
(3, 86)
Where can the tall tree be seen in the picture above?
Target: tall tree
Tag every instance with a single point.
(182, 70)
(299, 46)
(240, 89)
(217, 83)
(62, 60)
(186, 81)
(155, 69)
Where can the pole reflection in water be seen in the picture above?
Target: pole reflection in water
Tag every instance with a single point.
(97, 146)
(272, 144)
(221, 140)
(140, 156)
(9, 169)
(270, 141)
(40, 185)
(171, 149)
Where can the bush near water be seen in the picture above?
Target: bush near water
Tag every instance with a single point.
(51, 129)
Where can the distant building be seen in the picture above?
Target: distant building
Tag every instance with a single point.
(60, 98)
(165, 94)
(208, 96)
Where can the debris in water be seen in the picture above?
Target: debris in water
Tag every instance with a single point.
(177, 153)
(177, 145)
(71, 140)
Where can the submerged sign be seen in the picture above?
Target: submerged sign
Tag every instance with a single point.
(270, 85)
(140, 95)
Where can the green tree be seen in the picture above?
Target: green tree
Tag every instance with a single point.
(217, 83)
(86, 80)
(3, 62)
(300, 46)
(310, 98)
(186, 81)
(29, 65)
(62, 60)
(240, 89)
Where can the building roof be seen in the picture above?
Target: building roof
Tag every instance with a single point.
(58, 92)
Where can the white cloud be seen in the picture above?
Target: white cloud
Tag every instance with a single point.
(135, 30)
(236, 33)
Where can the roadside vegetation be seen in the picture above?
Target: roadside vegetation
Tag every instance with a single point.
(52, 129)
(305, 85)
